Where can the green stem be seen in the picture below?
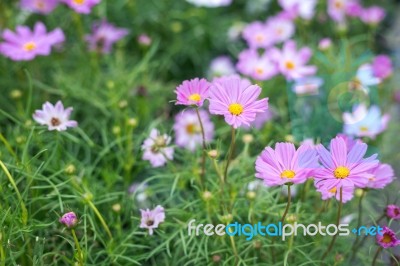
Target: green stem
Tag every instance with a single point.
(203, 157)
(356, 242)
(378, 251)
(288, 204)
(78, 247)
(2, 253)
(14, 185)
(231, 151)
(96, 211)
(337, 225)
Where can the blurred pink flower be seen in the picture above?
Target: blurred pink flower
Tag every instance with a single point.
(285, 164)
(387, 239)
(307, 85)
(347, 193)
(258, 35)
(25, 44)
(324, 44)
(236, 100)
(39, 6)
(188, 130)
(192, 92)
(380, 176)
(81, 6)
(55, 117)
(261, 119)
(155, 149)
(210, 3)
(144, 39)
(337, 10)
(373, 15)
(353, 9)
(151, 219)
(255, 66)
(292, 63)
(382, 66)
(103, 36)
(393, 212)
(299, 8)
(280, 29)
(221, 66)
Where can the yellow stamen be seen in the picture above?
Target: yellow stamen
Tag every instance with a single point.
(259, 70)
(364, 129)
(290, 65)
(341, 172)
(386, 238)
(235, 109)
(79, 2)
(195, 97)
(192, 129)
(288, 174)
(259, 37)
(333, 190)
(29, 46)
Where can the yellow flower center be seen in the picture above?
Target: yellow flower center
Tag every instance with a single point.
(235, 109)
(195, 97)
(338, 5)
(341, 172)
(40, 5)
(79, 2)
(259, 70)
(386, 238)
(29, 46)
(364, 129)
(290, 65)
(333, 190)
(192, 129)
(288, 174)
(259, 37)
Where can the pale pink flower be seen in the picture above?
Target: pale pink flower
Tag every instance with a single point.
(151, 219)
(156, 150)
(55, 117)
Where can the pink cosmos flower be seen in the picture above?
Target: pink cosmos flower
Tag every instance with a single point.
(236, 99)
(285, 164)
(103, 36)
(221, 66)
(55, 117)
(255, 66)
(354, 9)
(349, 140)
(39, 6)
(393, 212)
(188, 131)
(337, 10)
(81, 6)
(156, 149)
(347, 193)
(152, 218)
(299, 8)
(261, 119)
(373, 15)
(387, 239)
(25, 44)
(192, 92)
(292, 63)
(382, 66)
(324, 44)
(257, 35)
(343, 167)
(381, 176)
(280, 29)
(69, 219)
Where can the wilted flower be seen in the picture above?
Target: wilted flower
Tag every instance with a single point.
(307, 85)
(39, 6)
(373, 15)
(69, 219)
(299, 8)
(152, 218)
(324, 44)
(188, 130)
(363, 122)
(236, 99)
(255, 66)
(25, 44)
(221, 66)
(292, 63)
(343, 167)
(103, 36)
(382, 66)
(210, 3)
(156, 148)
(387, 239)
(55, 116)
(257, 35)
(381, 176)
(81, 6)
(393, 212)
(192, 92)
(285, 164)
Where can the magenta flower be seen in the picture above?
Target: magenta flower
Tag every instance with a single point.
(373, 15)
(393, 212)
(285, 164)
(381, 176)
(156, 149)
(55, 116)
(81, 6)
(255, 66)
(353, 9)
(280, 29)
(382, 66)
(257, 35)
(69, 219)
(387, 239)
(103, 36)
(39, 6)
(292, 63)
(25, 44)
(347, 193)
(343, 167)
(188, 131)
(152, 218)
(192, 92)
(236, 100)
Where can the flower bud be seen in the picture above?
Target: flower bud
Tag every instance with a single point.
(213, 154)
(247, 138)
(116, 207)
(207, 195)
(69, 219)
(15, 94)
(70, 169)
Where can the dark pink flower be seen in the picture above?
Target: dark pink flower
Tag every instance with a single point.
(382, 66)
(393, 212)
(387, 238)
(69, 219)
